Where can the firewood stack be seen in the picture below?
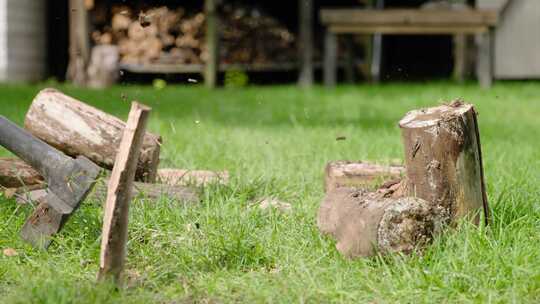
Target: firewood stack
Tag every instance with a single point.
(164, 35)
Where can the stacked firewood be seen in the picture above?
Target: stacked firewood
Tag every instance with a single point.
(163, 35)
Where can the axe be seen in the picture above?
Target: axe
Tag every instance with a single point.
(68, 181)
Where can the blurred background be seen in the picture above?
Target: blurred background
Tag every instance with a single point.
(99, 42)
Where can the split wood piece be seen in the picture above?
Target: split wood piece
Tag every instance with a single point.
(115, 222)
(365, 223)
(444, 160)
(15, 173)
(79, 129)
(199, 178)
(140, 190)
(359, 174)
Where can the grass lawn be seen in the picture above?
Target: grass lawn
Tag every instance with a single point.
(276, 141)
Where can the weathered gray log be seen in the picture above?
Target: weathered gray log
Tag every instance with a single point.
(359, 174)
(27, 183)
(15, 173)
(444, 160)
(119, 195)
(199, 178)
(365, 223)
(79, 129)
(146, 191)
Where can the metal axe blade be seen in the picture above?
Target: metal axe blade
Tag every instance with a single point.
(69, 181)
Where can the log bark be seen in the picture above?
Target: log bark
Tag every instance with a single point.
(364, 223)
(15, 173)
(119, 194)
(359, 174)
(199, 178)
(79, 129)
(444, 160)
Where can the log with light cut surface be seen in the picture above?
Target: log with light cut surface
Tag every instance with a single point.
(444, 160)
(76, 128)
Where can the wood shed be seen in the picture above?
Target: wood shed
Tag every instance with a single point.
(22, 40)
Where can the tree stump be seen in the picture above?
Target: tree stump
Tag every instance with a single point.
(365, 223)
(79, 129)
(359, 174)
(444, 160)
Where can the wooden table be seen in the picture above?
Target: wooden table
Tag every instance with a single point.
(411, 22)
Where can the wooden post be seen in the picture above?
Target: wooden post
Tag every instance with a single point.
(305, 46)
(444, 160)
(76, 128)
(460, 57)
(330, 59)
(484, 59)
(350, 67)
(376, 53)
(212, 43)
(115, 222)
(79, 42)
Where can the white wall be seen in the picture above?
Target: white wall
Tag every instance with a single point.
(23, 27)
(517, 38)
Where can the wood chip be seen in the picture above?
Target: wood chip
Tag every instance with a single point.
(10, 252)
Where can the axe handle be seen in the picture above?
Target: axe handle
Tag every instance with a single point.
(42, 157)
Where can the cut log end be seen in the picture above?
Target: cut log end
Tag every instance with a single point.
(407, 224)
(433, 116)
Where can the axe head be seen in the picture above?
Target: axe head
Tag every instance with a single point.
(68, 185)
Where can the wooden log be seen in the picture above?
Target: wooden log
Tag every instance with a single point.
(115, 221)
(15, 173)
(79, 129)
(197, 178)
(360, 174)
(365, 223)
(146, 191)
(444, 160)
(79, 42)
(212, 41)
